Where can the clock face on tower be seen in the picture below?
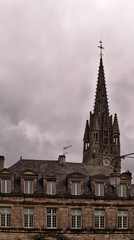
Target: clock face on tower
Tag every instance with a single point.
(106, 162)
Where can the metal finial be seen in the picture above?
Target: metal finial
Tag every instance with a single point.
(101, 48)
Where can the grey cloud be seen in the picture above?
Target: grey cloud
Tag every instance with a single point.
(48, 72)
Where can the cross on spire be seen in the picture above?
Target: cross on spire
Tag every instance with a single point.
(101, 48)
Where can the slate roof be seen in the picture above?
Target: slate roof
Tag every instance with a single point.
(47, 166)
(44, 167)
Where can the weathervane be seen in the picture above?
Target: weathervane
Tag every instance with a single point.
(101, 48)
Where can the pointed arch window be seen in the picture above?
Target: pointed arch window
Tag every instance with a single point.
(115, 139)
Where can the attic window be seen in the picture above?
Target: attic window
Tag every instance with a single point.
(5, 185)
(76, 188)
(28, 186)
(122, 190)
(51, 187)
(99, 189)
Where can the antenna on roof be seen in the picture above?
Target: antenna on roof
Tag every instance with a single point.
(64, 148)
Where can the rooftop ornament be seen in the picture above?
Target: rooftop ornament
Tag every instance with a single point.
(114, 177)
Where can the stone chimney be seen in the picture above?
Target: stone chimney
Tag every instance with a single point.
(62, 159)
(2, 159)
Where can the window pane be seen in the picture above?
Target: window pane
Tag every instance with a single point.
(5, 185)
(54, 221)
(96, 221)
(51, 187)
(48, 221)
(28, 186)
(73, 221)
(99, 219)
(28, 217)
(5, 217)
(122, 219)
(3, 220)
(30, 220)
(76, 188)
(124, 222)
(122, 190)
(76, 218)
(51, 217)
(8, 220)
(78, 221)
(99, 189)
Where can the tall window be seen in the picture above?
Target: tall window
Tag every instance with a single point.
(100, 219)
(76, 188)
(28, 217)
(5, 185)
(51, 187)
(122, 190)
(122, 219)
(5, 217)
(28, 186)
(51, 217)
(99, 189)
(76, 218)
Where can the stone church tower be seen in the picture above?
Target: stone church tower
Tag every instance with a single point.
(102, 136)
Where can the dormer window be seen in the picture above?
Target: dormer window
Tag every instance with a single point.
(28, 186)
(51, 187)
(5, 185)
(28, 182)
(76, 188)
(99, 189)
(75, 182)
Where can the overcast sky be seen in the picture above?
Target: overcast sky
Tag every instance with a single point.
(49, 60)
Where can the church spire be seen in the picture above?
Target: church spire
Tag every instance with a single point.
(102, 136)
(101, 100)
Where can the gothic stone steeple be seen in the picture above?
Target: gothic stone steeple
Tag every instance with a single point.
(102, 136)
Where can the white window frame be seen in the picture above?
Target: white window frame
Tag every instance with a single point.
(51, 187)
(99, 189)
(76, 218)
(122, 190)
(99, 219)
(122, 219)
(28, 186)
(5, 217)
(76, 188)
(51, 217)
(5, 185)
(28, 218)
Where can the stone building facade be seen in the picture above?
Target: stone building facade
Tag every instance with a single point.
(49, 200)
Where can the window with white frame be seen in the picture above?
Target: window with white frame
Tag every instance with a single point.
(76, 188)
(28, 186)
(99, 219)
(122, 219)
(99, 189)
(28, 217)
(51, 187)
(5, 217)
(5, 185)
(76, 218)
(51, 218)
(122, 190)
